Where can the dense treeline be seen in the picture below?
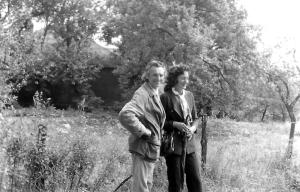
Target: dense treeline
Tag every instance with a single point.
(230, 77)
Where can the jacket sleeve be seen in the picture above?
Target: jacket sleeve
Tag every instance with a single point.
(168, 126)
(131, 114)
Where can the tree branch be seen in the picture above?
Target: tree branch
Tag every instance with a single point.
(276, 79)
(8, 11)
(165, 31)
(45, 33)
(218, 69)
(5, 66)
(286, 87)
(281, 94)
(295, 100)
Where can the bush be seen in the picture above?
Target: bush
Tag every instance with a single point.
(34, 166)
(7, 100)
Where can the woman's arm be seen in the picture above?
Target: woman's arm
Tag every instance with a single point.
(169, 123)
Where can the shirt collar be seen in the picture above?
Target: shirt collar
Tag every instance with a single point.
(177, 93)
(151, 91)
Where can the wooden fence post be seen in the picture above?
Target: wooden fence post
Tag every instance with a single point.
(203, 141)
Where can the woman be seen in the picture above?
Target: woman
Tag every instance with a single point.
(180, 109)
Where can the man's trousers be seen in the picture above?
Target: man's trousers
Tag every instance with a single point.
(142, 174)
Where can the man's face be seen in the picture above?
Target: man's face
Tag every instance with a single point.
(156, 76)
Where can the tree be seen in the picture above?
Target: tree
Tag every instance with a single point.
(159, 29)
(284, 74)
(59, 53)
(209, 36)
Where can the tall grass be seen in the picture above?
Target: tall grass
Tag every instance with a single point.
(248, 157)
(89, 152)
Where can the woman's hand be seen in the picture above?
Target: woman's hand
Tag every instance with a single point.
(146, 135)
(193, 128)
(182, 127)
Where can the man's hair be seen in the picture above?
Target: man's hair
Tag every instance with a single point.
(152, 63)
(173, 74)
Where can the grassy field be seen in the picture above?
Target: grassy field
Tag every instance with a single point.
(88, 152)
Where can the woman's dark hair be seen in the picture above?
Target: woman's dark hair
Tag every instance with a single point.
(173, 74)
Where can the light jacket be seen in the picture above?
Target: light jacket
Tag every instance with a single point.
(143, 112)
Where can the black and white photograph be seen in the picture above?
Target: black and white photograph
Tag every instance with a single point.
(149, 96)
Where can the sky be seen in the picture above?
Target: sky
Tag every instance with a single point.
(279, 20)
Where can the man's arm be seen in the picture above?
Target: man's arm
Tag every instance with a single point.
(130, 114)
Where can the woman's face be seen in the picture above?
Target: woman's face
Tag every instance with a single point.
(182, 80)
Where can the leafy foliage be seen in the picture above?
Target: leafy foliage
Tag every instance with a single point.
(211, 37)
(60, 52)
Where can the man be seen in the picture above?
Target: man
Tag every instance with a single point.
(143, 116)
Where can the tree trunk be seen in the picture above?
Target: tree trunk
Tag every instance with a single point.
(204, 142)
(290, 109)
(264, 113)
(283, 114)
(289, 151)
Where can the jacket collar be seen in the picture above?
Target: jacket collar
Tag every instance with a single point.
(150, 91)
(152, 95)
(176, 102)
